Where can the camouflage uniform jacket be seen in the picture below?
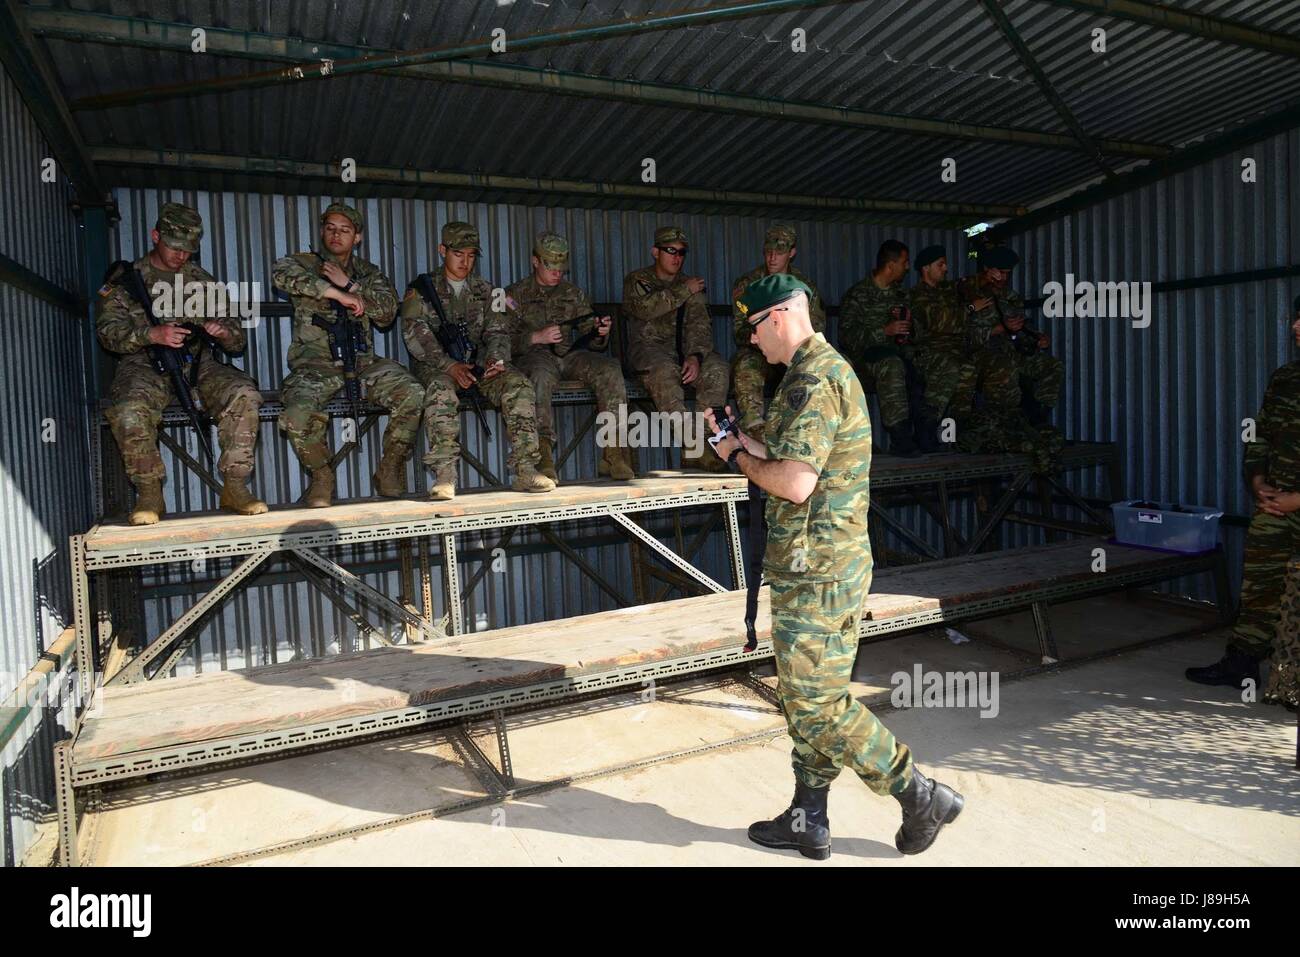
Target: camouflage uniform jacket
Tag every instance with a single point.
(487, 330)
(984, 320)
(123, 327)
(864, 313)
(533, 306)
(819, 416)
(650, 307)
(1275, 453)
(816, 310)
(939, 318)
(299, 275)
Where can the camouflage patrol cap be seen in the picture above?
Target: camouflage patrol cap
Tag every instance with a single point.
(343, 209)
(669, 234)
(460, 235)
(763, 294)
(780, 238)
(180, 227)
(552, 250)
(999, 257)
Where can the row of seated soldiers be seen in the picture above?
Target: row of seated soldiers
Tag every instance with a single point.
(541, 332)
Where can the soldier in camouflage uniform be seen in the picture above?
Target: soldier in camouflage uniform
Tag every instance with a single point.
(1273, 471)
(542, 349)
(139, 393)
(467, 299)
(670, 335)
(875, 333)
(940, 330)
(1008, 421)
(753, 377)
(815, 467)
(312, 280)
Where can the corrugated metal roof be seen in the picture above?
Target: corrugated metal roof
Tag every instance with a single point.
(940, 59)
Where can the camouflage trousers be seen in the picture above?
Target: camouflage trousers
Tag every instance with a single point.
(1005, 376)
(997, 377)
(1042, 375)
(662, 378)
(139, 395)
(815, 639)
(509, 391)
(308, 389)
(1271, 541)
(1283, 684)
(949, 381)
(753, 380)
(993, 429)
(887, 378)
(601, 374)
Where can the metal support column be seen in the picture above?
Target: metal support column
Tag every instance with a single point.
(1043, 629)
(733, 541)
(66, 798)
(451, 585)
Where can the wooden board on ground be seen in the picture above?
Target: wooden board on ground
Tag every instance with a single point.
(167, 712)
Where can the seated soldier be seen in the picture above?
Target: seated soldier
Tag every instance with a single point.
(465, 298)
(940, 329)
(670, 336)
(139, 393)
(546, 352)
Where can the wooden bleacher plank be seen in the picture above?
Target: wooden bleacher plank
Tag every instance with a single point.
(170, 712)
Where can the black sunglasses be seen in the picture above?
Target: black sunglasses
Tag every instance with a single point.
(673, 250)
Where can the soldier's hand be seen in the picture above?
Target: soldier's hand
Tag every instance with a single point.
(463, 375)
(1284, 503)
(335, 274)
(603, 325)
(1015, 323)
(1262, 490)
(979, 305)
(899, 327)
(353, 302)
(695, 284)
(216, 330)
(711, 420)
(170, 335)
(494, 369)
(690, 370)
(546, 335)
(1044, 341)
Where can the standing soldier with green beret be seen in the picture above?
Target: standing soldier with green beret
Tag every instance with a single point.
(139, 393)
(313, 280)
(543, 349)
(875, 332)
(1273, 470)
(467, 299)
(940, 328)
(753, 376)
(815, 467)
(670, 335)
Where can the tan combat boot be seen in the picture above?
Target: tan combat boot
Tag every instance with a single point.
(704, 462)
(546, 459)
(320, 493)
(615, 462)
(528, 479)
(390, 477)
(444, 484)
(235, 497)
(148, 502)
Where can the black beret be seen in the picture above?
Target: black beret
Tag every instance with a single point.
(999, 257)
(928, 255)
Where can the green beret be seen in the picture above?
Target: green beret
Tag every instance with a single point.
(999, 257)
(552, 249)
(180, 227)
(460, 235)
(763, 294)
(343, 209)
(780, 238)
(669, 234)
(928, 255)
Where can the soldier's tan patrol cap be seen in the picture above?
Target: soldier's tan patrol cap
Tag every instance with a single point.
(665, 235)
(343, 209)
(780, 238)
(552, 250)
(180, 227)
(460, 235)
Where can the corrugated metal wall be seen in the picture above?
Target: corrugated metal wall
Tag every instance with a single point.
(1173, 395)
(244, 235)
(44, 474)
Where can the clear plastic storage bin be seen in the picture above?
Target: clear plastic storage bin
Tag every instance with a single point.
(1167, 525)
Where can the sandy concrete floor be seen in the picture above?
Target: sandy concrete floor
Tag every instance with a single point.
(1114, 762)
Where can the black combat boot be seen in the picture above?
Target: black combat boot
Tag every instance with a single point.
(901, 442)
(927, 807)
(802, 827)
(927, 434)
(1035, 412)
(1232, 670)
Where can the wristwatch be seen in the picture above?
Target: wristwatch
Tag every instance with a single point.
(731, 459)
